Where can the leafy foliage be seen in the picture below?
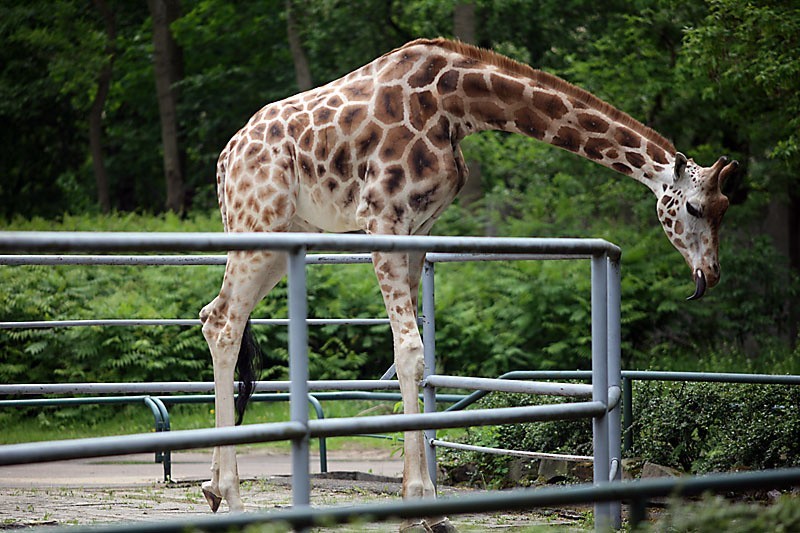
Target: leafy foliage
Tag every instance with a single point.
(703, 427)
(713, 514)
(716, 77)
(695, 427)
(488, 470)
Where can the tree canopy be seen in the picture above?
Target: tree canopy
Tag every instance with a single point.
(81, 90)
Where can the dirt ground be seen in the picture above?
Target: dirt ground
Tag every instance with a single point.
(131, 488)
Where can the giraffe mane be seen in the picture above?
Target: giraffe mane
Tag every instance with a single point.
(510, 65)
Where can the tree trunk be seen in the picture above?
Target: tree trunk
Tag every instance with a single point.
(167, 62)
(464, 30)
(782, 224)
(302, 71)
(464, 22)
(96, 111)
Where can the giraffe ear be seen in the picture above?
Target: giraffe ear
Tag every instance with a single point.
(680, 166)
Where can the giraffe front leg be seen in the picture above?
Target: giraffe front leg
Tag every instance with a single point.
(396, 281)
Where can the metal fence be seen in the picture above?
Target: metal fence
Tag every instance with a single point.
(599, 401)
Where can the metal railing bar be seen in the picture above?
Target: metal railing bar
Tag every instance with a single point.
(42, 324)
(163, 260)
(514, 453)
(641, 375)
(518, 499)
(26, 242)
(40, 452)
(478, 417)
(522, 374)
(217, 260)
(331, 427)
(321, 396)
(712, 377)
(434, 257)
(156, 388)
(507, 385)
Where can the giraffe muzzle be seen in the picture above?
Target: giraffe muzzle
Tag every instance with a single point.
(700, 285)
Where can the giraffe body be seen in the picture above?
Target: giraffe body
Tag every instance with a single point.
(378, 151)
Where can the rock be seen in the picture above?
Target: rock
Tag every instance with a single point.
(653, 470)
(522, 470)
(553, 470)
(463, 473)
(583, 471)
(632, 468)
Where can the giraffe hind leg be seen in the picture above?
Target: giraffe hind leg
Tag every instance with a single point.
(248, 277)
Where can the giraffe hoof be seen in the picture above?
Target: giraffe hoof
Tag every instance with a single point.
(443, 526)
(213, 500)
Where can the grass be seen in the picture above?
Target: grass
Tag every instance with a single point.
(54, 423)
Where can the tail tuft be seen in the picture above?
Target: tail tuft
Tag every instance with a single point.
(248, 367)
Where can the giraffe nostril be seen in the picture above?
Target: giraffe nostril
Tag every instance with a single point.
(715, 267)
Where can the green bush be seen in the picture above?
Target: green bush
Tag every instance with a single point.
(559, 436)
(695, 427)
(705, 427)
(166, 353)
(714, 514)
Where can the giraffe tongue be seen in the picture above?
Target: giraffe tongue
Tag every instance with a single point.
(700, 285)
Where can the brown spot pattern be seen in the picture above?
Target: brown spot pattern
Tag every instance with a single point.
(358, 91)
(389, 104)
(489, 113)
(454, 105)
(626, 137)
(275, 132)
(439, 135)
(621, 167)
(352, 117)
(322, 116)
(422, 107)
(531, 123)
(421, 162)
(427, 72)
(635, 159)
(568, 138)
(595, 146)
(395, 142)
(419, 201)
(656, 154)
(549, 104)
(341, 163)
(367, 140)
(509, 91)
(395, 179)
(475, 86)
(448, 82)
(592, 123)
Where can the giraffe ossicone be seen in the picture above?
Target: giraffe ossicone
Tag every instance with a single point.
(378, 151)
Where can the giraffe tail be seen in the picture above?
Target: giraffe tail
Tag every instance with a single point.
(248, 366)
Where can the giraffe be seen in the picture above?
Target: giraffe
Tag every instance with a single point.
(378, 151)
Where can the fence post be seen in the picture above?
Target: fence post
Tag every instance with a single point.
(602, 511)
(627, 413)
(429, 351)
(614, 380)
(298, 374)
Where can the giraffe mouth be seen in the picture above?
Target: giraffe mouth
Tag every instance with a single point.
(700, 285)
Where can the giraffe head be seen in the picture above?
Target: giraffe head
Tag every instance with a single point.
(690, 207)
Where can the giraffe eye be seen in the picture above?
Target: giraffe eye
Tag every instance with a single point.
(693, 210)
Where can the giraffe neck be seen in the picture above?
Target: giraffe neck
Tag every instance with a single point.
(486, 91)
